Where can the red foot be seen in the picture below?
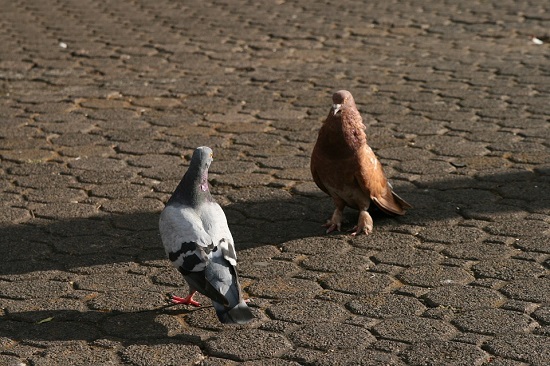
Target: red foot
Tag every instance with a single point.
(184, 300)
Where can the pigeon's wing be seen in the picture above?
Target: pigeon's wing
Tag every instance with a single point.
(221, 272)
(184, 237)
(315, 175)
(215, 223)
(370, 177)
(317, 159)
(188, 245)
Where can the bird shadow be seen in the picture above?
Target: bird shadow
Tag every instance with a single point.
(77, 244)
(112, 238)
(107, 329)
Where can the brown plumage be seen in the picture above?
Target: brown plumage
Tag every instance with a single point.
(345, 167)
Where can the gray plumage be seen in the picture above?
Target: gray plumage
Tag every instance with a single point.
(197, 240)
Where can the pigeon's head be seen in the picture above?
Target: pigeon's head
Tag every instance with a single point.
(193, 188)
(341, 99)
(202, 157)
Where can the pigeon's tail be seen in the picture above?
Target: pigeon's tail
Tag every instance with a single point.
(239, 314)
(401, 202)
(391, 203)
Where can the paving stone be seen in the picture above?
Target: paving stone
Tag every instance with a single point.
(110, 281)
(33, 156)
(425, 167)
(331, 336)
(453, 235)
(60, 309)
(337, 263)
(522, 347)
(75, 354)
(270, 362)
(444, 353)
(499, 361)
(84, 245)
(386, 241)
(520, 306)
(359, 282)
(167, 354)
(276, 211)
(470, 338)
(125, 300)
(267, 269)
(27, 290)
(250, 345)
(257, 194)
(310, 245)
(11, 360)
(451, 146)
(435, 276)
(54, 195)
(493, 321)
(119, 190)
(50, 180)
(284, 288)
(407, 257)
(538, 244)
(97, 164)
(14, 215)
(520, 229)
(240, 181)
(414, 330)
(479, 251)
(279, 326)
(216, 361)
(306, 311)
(363, 357)
(130, 205)
(140, 325)
(542, 314)
(464, 297)
(528, 289)
(508, 269)
(51, 331)
(385, 306)
(146, 147)
(101, 177)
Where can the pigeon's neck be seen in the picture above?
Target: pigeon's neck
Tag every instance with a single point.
(193, 188)
(343, 134)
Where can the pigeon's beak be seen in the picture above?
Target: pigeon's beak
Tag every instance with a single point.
(336, 108)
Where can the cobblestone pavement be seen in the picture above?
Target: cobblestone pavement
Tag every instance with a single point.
(102, 103)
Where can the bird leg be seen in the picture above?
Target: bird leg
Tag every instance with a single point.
(364, 224)
(188, 300)
(335, 222)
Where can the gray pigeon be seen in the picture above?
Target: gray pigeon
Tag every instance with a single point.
(197, 240)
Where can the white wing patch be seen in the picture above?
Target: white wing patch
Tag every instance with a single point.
(190, 239)
(219, 230)
(184, 238)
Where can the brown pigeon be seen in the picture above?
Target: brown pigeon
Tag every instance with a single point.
(345, 167)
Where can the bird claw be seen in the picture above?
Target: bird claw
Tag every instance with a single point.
(364, 225)
(332, 226)
(183, 300)
(358, 230)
